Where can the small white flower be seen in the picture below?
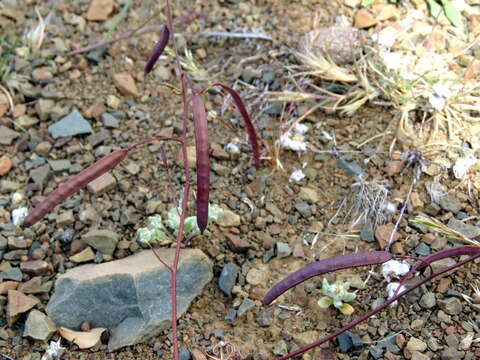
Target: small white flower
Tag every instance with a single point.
(17, 198)
(462, 165)
(394, 268)
(300, 128)
(293, 142)
(55, 351)
(18, 215)
(297, 175)
(392, 288)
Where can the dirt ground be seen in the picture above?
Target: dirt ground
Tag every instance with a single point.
(271, 206)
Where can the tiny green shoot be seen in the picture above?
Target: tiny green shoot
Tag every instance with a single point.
(337, 295)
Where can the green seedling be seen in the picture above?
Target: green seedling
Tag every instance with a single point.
(156, 231)
(337, 295)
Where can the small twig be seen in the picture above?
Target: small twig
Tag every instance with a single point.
(402, 211)
(231, 35)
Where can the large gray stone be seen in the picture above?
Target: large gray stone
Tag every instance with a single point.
(72, 124)
(131, 296)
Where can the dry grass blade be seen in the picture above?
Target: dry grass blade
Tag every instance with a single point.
(158, 49)
(74, 184)
(252, 133)
(203, 161)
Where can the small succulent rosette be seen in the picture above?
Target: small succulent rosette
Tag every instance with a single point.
(337, 295)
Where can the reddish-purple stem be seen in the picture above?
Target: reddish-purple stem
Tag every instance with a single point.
(474, 253)
(158, 49)
(326, 266)
(203, 160)
(252, 133)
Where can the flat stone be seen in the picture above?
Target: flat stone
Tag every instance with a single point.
(8, 285)
(65, 219)
(102, 184)
(100, 10)
(41, 175)
(35, 286)
(98, 137)
(59, 166)
(228, 278)
(228, 218)
(246, 305)
(451, 305)
(237, 244)
(428, 300)
(70, 125)
(26, 121)
(451, 203)
(363, 19)
(383, 234)
(130, 297)
(126, 85)
(13, 273)
(39, 326)
(109, 121)
(415, 344)
(7, 135)
(309, 195)
(283, 250)
(18, 303)
(85, 255)
(468, 230)
(104, 241)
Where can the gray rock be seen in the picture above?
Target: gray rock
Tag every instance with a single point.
(231, 315)
(60, 165)
(367, 233)
(468, 230)
(13, 273)
(41, 175)
(280, 348)
(228, 278)
(422, 249)
(7, 186)
(428, 300)
(246, 305)
(451, 354)
(450, 203)
(376, 352)
(452, 306)
(351, 167)
(109, 121)
(130, 296)
(72, 124)
(264, 319)
(283, 249)
(303, 208)
(39, 326)
(348, 341)
(104, 241)
(387, 341)
(7, 135)
(185, 354)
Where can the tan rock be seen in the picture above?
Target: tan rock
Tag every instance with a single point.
(388, 12)
(383, 234)
(85, 255)
(96, 110)
(18, 303)
(99, 10)
(35, 267)
(198, 355)
(32, 286)
(394, 167)
(102, 184)
(7, 285)
(363, 19)
(3, 104)
(125, 84)
(5, 165)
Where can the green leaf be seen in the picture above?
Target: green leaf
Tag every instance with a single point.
(346, 309)
(325, 302)
(367, 3)
(337, 303)
(453, 14)
(349, 297)
(435, 8)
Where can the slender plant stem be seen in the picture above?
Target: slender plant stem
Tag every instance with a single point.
(377, 309)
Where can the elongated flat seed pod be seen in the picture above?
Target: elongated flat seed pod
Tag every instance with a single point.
(158, 49)
(326, 266)
(74, 184)
(203, 160)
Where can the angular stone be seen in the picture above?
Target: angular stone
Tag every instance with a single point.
(104, 241)
(237, 244)
(363, 19)
(228, 278)
(71, 125)
(99, 10)
(126, 85)
(130, 296)
(228, 218)
(59, 166)
(39, 326)
(309, 195)
(18, 303)
(102, 184)
(468, 230)
(415, 344)
(41, 175)
(7, 285)
(7, 135)
(85, 255)
(44, 108)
